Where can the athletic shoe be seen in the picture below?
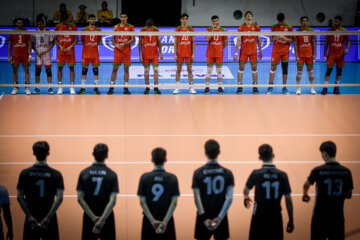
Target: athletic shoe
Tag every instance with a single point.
(255, 90)
(81, 91)
(147, 90)
(336, 90)
(269, 91)
(298, 91)
(239, 90)
(284, 91)
(36, 91)
(157, 91)
(312, 91)
(207, 91)
(192, 90)
(324, 91)
(15, 91)
(220, 90)
(72, 90)
(126, 91)
(176, 91)
(59, 91)
(111, 91)
(50, 91)
(96, 91)
(27, 91)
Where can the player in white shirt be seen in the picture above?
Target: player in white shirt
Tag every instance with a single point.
(42, 44)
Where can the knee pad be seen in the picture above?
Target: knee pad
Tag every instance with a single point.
(37, 72)
(328, 71)
(284, 66)
(84, 71)
(299, 73)
(338, 71)
(241, 72)
(146, 70)
(254, 72)
(218, 71)
(96, 71)
(272, 72)
(208, 72)
(48, 72)
(156, 70)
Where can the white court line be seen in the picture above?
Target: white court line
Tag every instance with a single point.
(179, 135)
(2, 94)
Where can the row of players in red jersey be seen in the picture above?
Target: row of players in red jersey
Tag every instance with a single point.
(150, 47)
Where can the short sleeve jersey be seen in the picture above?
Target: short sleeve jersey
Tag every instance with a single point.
(249, 43)
(122, 38)
(216, 43)
(97, 182)
(212, 180)
(337, 42)
(158, 187)
(184, 43)
(270, 185)
(66, 40)
(20, 44)
(333, 182)
(90, 42)
(281, 46)
(304, 43)
(42, 42)
(40, 184)
(4, 199)
(150, 44)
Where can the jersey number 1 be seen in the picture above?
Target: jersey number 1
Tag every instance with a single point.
(41, 184)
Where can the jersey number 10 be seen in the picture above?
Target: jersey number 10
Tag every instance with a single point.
(214, 185)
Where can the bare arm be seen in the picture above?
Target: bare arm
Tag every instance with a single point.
(289, 208)
(140, 49)
(20, 197)
(225, 42)
(347, 47)
(86, 207)
(238, 44)
(325, 48)
(306, 187)
(259, 46)
(296, 49)
(9, 51)
(107, 211)
(160, 48)
(59, 198)
(193, 47)
(175, 48)
(247, 199)
(162, 226)
(198, 202)
(313, 46)
(8, 221)
(155, 223)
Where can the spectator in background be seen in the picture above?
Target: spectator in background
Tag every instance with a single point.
(104, 15)
(82, 16)
(57, 15)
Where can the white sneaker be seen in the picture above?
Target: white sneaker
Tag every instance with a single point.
(72, 91)
(59, 92)
(312, 91)
(27, 91)
(298, 91)
(176, 91)
(192, 91)
(15, 91)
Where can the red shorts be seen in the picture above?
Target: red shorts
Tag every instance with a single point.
(94, 61)
(16, 60)
(275, 57)
(120, 57)
(216, 60)
(339, 60)
(181, 59)
(305, 60)
(244, 57)
(154, 61)
(63, 58)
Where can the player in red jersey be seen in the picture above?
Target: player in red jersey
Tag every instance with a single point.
(336, 54)
(184, 49)
(90, 53)
(122, 51)
(248, 50)
(305, 53)
(215, 53)
(280, 51)
(149, 48)
(66, 52)
(20, 45)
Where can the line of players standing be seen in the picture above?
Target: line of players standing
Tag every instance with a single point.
(184, 48)
(158, 190)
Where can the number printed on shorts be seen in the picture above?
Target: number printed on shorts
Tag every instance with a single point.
(98, 181)
(157, 190)
(214, 185)
(268, 186)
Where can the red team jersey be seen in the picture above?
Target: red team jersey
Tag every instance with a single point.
(304, 44)
(20, 45)
(184, 43)
(66, 40)
(249, 43)
(150, 44)
(281, 46)
(123, 39)
(90, 42)
(216, 44)
(337, 42)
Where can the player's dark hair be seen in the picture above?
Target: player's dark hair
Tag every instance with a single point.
(40, 18)
(41, 150)
(64, 16)
(212, 149)
(100, 152)
(149, 22)
(303, 17)
(265, 152)
(158, 156)
(92, 16)
(123, 13)
(338, 18)
(105, 3)
(18, 18)
(329, 147)
(214, 17)
(248, 12)
(62, 5)
(184, 15)
(280, 17)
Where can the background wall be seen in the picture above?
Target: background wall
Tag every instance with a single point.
(264, 10)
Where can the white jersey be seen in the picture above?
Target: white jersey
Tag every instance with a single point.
(42, 42)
